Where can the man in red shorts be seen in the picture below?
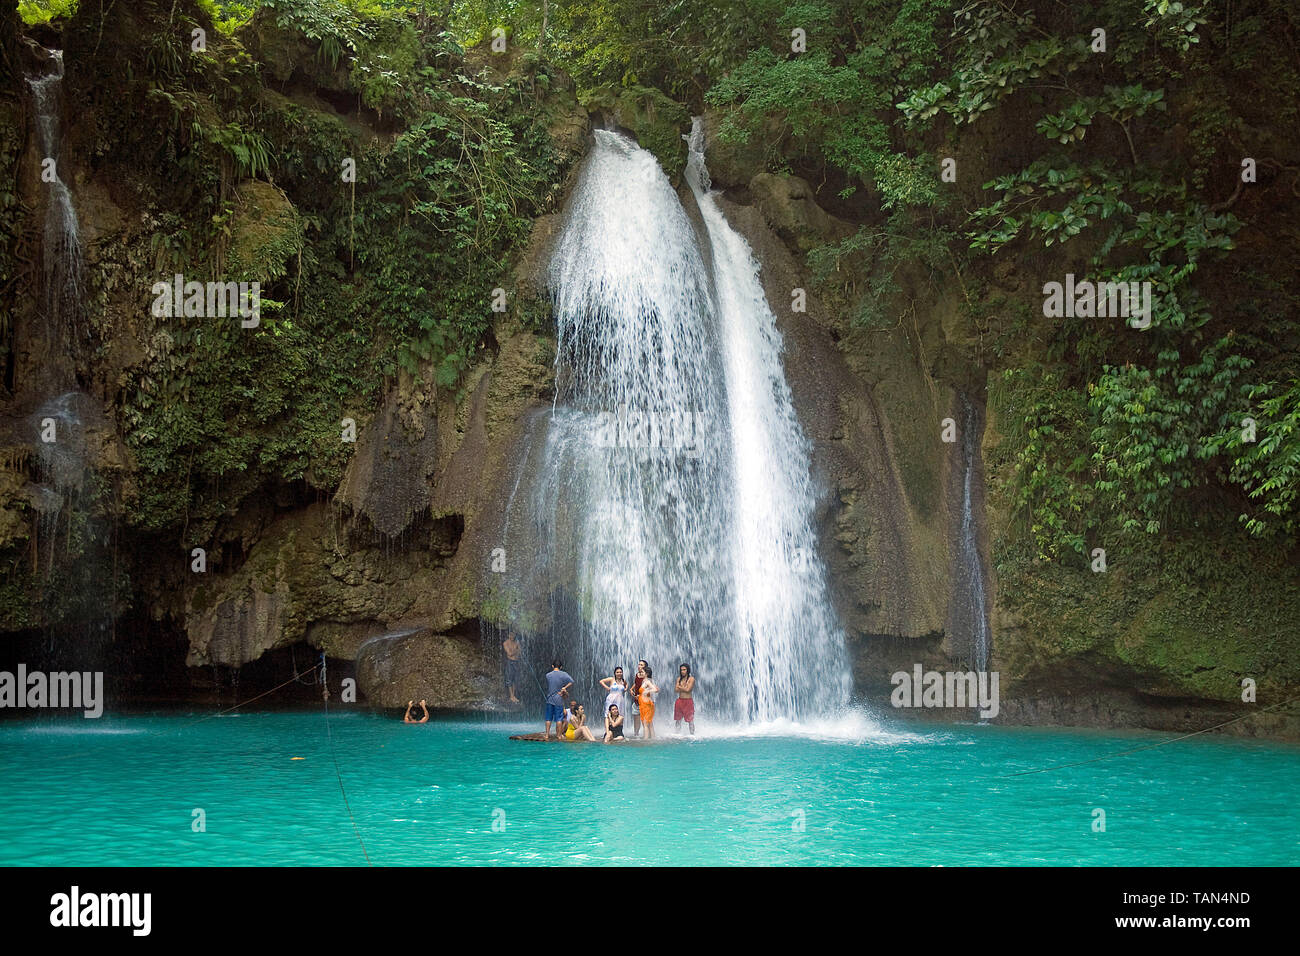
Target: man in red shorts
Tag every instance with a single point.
(684, 708)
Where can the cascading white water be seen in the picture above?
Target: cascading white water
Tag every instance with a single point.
(674, 491)
(969, 592)
(62, 261)
(782, 609)
(635, 443)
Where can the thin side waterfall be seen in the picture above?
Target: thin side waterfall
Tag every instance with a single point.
(61, 464)
(672, 501)
(973, 612)
(61, 254)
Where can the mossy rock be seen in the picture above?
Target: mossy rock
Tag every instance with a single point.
(657, 122)
(287, 54)
(15, 519)
(266, 233)
(1155, 623)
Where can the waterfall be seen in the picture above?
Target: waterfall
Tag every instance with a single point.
(61, 254)
(74, 530)
(972, 613)
(63, 464)
(795, 648)
(672, 502)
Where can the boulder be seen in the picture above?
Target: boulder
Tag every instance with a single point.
(444, 670)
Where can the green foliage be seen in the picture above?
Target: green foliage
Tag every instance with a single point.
(445, 203)
(676, 46)
(247, 148)
(229, 16)
(1174, 23)
(835, 99)
(384, 65)
(880, 254)
(334, 25)
(1046, 424)
(43, 11)
(1267, 463)
(1134, 457)
(1147, 444)
(359, 280)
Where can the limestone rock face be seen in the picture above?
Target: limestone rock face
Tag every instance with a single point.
(789, 206)
(409, 537)
(884, 509)
(444, 670)
(304, 573)
(389, 479)
(735, 164)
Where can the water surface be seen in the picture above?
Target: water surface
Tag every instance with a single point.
(122, 791)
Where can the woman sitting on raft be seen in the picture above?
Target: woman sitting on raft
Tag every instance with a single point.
(577, 728)
(613, 725)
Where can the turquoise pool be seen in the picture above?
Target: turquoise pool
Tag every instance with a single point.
(123, 791)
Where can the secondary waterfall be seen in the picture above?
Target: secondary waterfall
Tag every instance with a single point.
(970, 597)
(61, 254)
(673, 494)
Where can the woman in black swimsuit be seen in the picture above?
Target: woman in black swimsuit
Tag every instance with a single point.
(613, 725)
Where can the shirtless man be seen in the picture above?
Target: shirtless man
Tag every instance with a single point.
(684, 708)
(511, 646)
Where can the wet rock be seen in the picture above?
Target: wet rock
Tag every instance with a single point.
(788, 204)
(444, 670)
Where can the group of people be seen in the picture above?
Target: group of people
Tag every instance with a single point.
(621, 700)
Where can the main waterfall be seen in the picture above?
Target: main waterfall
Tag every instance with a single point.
(672, 503)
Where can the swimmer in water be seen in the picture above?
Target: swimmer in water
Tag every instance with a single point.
(410, 705)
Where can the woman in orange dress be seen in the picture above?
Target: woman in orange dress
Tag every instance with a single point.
(648, 690)
(636, 697)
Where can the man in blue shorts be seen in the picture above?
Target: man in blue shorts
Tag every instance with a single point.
(557, 688)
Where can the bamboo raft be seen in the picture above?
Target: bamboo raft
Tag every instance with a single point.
(538, 738)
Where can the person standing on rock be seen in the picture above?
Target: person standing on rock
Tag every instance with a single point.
(648, 691)
(615, 690)
(557, 688)
(511, 647)
(684, 709)
(641, 667)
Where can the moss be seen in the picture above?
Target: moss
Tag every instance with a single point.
(15, 515)
(265, 234)
(1190, 618)
(657, 121)
(11, 143)
(19, 601)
